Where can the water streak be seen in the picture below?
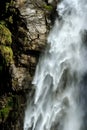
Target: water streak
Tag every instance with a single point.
(60, 79)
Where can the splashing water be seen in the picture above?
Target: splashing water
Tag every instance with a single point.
(60, 79)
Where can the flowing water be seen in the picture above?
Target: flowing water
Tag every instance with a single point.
(60, 80)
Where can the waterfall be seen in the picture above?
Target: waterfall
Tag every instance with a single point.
(60, 80)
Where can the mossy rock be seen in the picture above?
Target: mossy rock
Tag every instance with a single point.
(4, 112)
(8, 106)
(5, 35)
(2, 22)
(7, 54)
(48, 7)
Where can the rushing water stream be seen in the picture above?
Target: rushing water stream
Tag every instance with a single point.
(60, 80)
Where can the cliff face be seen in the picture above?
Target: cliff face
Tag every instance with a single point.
(24, 26)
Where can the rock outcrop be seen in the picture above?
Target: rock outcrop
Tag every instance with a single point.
(24, 26)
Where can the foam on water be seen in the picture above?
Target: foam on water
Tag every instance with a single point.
(58, 81)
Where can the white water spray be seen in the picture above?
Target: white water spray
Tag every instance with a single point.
(59, 79)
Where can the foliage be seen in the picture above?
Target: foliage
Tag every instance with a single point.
(5, 44)
(7, 54)
(48, 7)
(5, 35)
(4, 112)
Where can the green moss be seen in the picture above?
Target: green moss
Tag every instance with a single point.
(9, 4)
(48, 7)
(2, 22)
(10, 19)
(5, 43)
(4, 112)
(5, 35)
(7, 54)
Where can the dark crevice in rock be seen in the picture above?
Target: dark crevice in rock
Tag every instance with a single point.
(33, 52)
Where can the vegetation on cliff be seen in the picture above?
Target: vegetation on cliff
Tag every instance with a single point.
(20, 47)
(5, 45)
(10, 21)
(4, 111)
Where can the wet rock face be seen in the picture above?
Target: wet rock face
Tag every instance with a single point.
(36, 23)
(35, 17)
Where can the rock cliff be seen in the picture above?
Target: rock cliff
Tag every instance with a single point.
(24, 26)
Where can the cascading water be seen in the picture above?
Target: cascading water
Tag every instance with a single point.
(60, 79)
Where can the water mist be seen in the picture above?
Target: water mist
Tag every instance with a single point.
(60, 80)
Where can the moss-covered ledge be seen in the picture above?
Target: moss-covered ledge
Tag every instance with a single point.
(5, 45)
(5, 35)
(7, 107)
